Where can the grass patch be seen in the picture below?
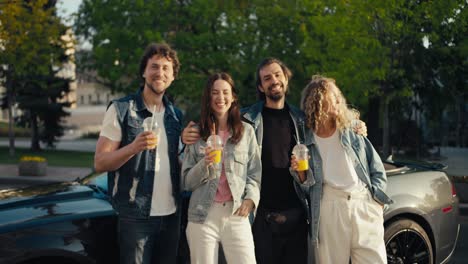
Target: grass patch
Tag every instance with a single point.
(64, 158)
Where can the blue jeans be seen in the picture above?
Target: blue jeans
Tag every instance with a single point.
(152, 240)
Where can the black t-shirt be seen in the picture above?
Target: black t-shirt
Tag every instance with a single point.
(277, 190)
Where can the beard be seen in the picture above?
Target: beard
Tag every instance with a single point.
(276, 96)
(151, 87)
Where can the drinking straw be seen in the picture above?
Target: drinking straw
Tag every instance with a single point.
(152, 118)
(213, 133)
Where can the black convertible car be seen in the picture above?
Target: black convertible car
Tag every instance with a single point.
(73, 222)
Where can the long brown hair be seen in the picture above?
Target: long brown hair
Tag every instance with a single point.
(207, 118)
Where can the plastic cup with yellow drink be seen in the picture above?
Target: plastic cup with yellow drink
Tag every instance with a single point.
(150, 125)
(302, 155)
(216, 144)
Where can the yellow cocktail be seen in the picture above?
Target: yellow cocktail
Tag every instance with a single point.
(217, 156)
(152, 143)
(302, 165)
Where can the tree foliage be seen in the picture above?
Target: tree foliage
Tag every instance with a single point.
(376, 50)
(34, 47)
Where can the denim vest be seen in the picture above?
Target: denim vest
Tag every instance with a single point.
(242, 166)
(367, 164)
(131, 186)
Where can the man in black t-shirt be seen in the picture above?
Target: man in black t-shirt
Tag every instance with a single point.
(280, 226)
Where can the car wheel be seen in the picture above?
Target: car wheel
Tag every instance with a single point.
(407, 242)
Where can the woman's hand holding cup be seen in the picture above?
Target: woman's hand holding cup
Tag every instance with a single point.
(210, 156)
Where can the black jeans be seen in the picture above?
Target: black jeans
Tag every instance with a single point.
(280, 236)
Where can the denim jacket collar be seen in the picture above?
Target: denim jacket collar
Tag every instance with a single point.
(140, 104)
(253, 113)
(344, 137)
(309, 138)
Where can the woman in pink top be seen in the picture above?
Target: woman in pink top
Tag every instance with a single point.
(226, 190)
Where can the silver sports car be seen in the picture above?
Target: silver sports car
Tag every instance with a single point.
(421, 225)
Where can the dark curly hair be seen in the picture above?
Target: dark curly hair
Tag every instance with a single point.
(163, 50)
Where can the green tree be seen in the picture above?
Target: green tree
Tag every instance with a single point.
(414, 32)
(449, 61)
(210, 36)
(376, 52)
(34, 48)
(374, 49)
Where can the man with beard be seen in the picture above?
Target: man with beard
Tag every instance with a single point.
(280, 228)
(143, 166)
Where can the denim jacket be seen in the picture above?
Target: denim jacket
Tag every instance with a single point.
(253, 116)
(368, 166)
(131, 186)
(243, 170)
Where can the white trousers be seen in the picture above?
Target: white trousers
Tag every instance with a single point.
(234, 232)
(350, 227)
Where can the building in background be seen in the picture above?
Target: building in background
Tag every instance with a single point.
(90, 91)
(92, 98)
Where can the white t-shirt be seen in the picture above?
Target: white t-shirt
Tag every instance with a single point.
(162, 202)
(338, 169)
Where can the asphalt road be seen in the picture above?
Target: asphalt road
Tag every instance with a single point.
(460, 256)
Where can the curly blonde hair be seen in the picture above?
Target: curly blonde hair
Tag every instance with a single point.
(314, 97)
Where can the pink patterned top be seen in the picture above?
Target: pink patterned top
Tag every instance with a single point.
(223, 193)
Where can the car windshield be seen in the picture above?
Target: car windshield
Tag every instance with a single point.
(95, 179)
(416, 164)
